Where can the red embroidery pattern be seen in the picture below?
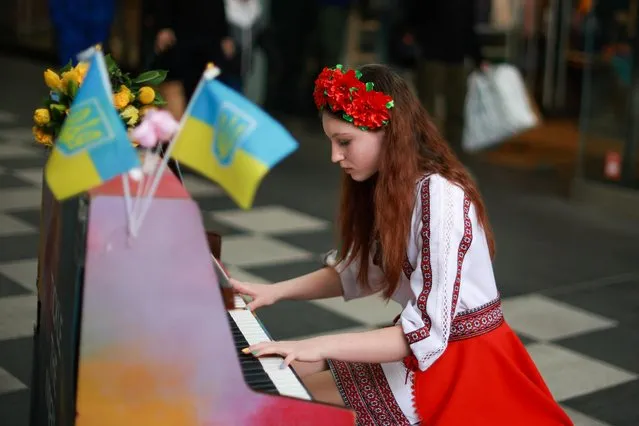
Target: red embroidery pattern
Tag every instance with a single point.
(407, 267)
(471, 323)
(364, 388)
(464, 245)
(424, 332)
(477, 321)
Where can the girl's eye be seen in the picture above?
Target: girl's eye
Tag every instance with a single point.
(343, 142)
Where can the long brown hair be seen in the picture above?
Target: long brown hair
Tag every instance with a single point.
(381, 207)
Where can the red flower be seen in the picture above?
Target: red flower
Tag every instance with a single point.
(323, 84)
(339, 93)
(343, 91)
(319, 97)
(369, 109)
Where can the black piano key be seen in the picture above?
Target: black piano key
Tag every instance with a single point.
(264, 387)
(251, 368)
(254, 375)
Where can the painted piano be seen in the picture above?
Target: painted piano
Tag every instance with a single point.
(136, 331)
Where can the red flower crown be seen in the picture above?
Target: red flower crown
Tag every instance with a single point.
(342, 91)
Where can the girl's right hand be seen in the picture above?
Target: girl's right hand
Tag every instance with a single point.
(262, 294)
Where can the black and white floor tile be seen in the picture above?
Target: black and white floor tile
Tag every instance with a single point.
(584, 343)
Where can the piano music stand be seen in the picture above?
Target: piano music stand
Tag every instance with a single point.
(215, 244)
(150, 341)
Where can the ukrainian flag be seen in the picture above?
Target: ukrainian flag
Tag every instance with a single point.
(93, 146)
(230, 140)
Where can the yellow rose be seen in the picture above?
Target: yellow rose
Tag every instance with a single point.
(70, 76)
(131, 115)
(122, 98)
(42, 137)
(126, 90)
(146, 95)
(82, 69)
(41, 116)
(52, 80)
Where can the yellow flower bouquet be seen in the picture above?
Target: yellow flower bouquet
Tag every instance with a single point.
(132, 97)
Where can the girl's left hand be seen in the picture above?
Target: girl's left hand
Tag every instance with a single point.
(300, 350)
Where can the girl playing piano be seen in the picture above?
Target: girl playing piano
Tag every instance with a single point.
(414, 228)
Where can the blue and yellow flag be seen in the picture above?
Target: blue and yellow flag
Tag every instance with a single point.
(230, 140)
(93, 146)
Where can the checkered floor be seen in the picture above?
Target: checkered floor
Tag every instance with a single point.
(584, 341)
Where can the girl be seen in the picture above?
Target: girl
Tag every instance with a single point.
(413, 228)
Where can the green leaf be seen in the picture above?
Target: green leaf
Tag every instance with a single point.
(145, 76)
(358, 74)
(49, 126)
(112, 66)
(347, 117)
(67, 67)
(159, 100)
(390, 104)
(369, 86)
(72, 89)
(57, 111)
(339, 67)
(151, 78)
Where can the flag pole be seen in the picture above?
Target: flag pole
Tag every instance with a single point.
(209, 73)
(85, 55)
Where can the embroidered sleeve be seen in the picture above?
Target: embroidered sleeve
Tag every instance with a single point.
(348, 276)
(442, 233)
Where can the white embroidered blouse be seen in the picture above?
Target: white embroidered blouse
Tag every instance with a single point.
(448, 287)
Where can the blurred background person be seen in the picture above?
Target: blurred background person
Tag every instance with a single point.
(191, 33)
(292, 23)
(310, 34)
(80, 24)
(331, 25)
(245, 21)
(445, 36)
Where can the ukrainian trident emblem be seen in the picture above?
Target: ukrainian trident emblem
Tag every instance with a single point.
(232, 128)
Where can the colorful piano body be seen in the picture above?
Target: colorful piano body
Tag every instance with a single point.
(135, 331)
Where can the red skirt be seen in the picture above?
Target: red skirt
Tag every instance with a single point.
(485, 380)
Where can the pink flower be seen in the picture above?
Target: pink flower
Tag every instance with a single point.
(157, 126)
(144, 134)
(163, 123)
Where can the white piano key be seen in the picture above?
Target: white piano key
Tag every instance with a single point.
(284, 379)
(239, 302)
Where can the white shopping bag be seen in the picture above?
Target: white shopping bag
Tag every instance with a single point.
(497, 108)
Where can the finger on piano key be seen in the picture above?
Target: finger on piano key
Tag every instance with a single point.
(285, 380)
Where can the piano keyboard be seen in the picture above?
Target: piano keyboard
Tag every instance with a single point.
(262, 374)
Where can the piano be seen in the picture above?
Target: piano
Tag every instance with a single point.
(261, 374)
(138, 331)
